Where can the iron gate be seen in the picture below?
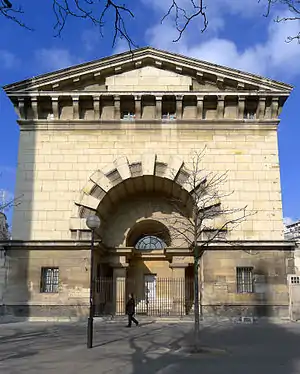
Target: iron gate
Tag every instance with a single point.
(155, 297)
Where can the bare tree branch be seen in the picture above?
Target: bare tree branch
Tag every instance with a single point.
(291, 6)
(12, 13)
(6, 205)
(117, 13)
(94, 11)
(183, 16)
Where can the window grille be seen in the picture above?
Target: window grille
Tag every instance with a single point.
(49, 280)
(150, 242)
(295, 280)
(244, 279)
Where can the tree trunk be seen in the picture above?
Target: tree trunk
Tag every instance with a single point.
(196, 296)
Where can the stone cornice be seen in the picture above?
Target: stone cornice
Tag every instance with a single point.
(49, 244)
(137, 125)
(77, 94)
(237, 245)
(136, 59)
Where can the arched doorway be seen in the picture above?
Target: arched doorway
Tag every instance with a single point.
(134, 202)
(149, 274)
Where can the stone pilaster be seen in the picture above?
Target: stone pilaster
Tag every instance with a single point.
(274, 107)
(158, 107)
(199, 114)
(220, 107)
(34, 106)
(119, 288)
(261, 107)
(117, 107)
(241, 107)
(55, 109)
(138, 107)
(75, 107)
(179, 106)
(96, 103)
(21, 107)
(178, 287)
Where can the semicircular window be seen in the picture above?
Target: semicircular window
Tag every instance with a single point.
(150, 242)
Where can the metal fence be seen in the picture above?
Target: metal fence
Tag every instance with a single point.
(158, 297)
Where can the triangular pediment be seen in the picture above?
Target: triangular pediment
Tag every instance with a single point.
(148, 69)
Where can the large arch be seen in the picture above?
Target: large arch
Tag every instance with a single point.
(108, 186)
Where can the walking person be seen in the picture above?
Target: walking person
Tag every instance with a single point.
(130, 310)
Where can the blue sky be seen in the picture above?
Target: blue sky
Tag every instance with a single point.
(237, 36)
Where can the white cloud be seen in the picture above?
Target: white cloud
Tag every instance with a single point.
(274, 57)
(288, 220)
(55, 59)
(7, 59)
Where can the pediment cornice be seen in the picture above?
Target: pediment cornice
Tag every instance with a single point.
(127, 61)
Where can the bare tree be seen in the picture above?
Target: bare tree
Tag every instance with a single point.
(5, 205)
(8, 204)
(118, 13)
(201, 219)
(290, 7)
(94, 11)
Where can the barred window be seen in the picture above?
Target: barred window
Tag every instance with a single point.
(244, 279)
(295, 280)
(49, 280)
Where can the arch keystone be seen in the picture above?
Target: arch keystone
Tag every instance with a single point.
(148, 163)
(174, 165)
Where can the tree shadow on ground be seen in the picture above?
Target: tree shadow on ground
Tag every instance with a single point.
(262, 347)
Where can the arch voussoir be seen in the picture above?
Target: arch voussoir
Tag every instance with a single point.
(123, 168)
(88, 188)
(101, 180)
(89, 201)
(105, 180)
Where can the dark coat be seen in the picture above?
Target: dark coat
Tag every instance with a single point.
(130, 306)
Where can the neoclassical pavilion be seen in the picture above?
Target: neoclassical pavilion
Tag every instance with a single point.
(114, 138)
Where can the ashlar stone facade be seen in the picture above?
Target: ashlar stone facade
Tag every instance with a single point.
(114, 137)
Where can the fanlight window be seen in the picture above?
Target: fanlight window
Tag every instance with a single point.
(150, 242)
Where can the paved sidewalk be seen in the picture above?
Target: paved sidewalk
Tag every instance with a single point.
(33, 348)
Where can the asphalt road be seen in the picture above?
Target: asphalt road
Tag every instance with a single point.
(151, 348)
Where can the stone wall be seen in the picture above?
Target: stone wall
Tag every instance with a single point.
(54, 166)
(23, 296)
(217, 275)
(270, 269)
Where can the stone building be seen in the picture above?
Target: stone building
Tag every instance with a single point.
(113, 138)
(292, 231)
(4, 236)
